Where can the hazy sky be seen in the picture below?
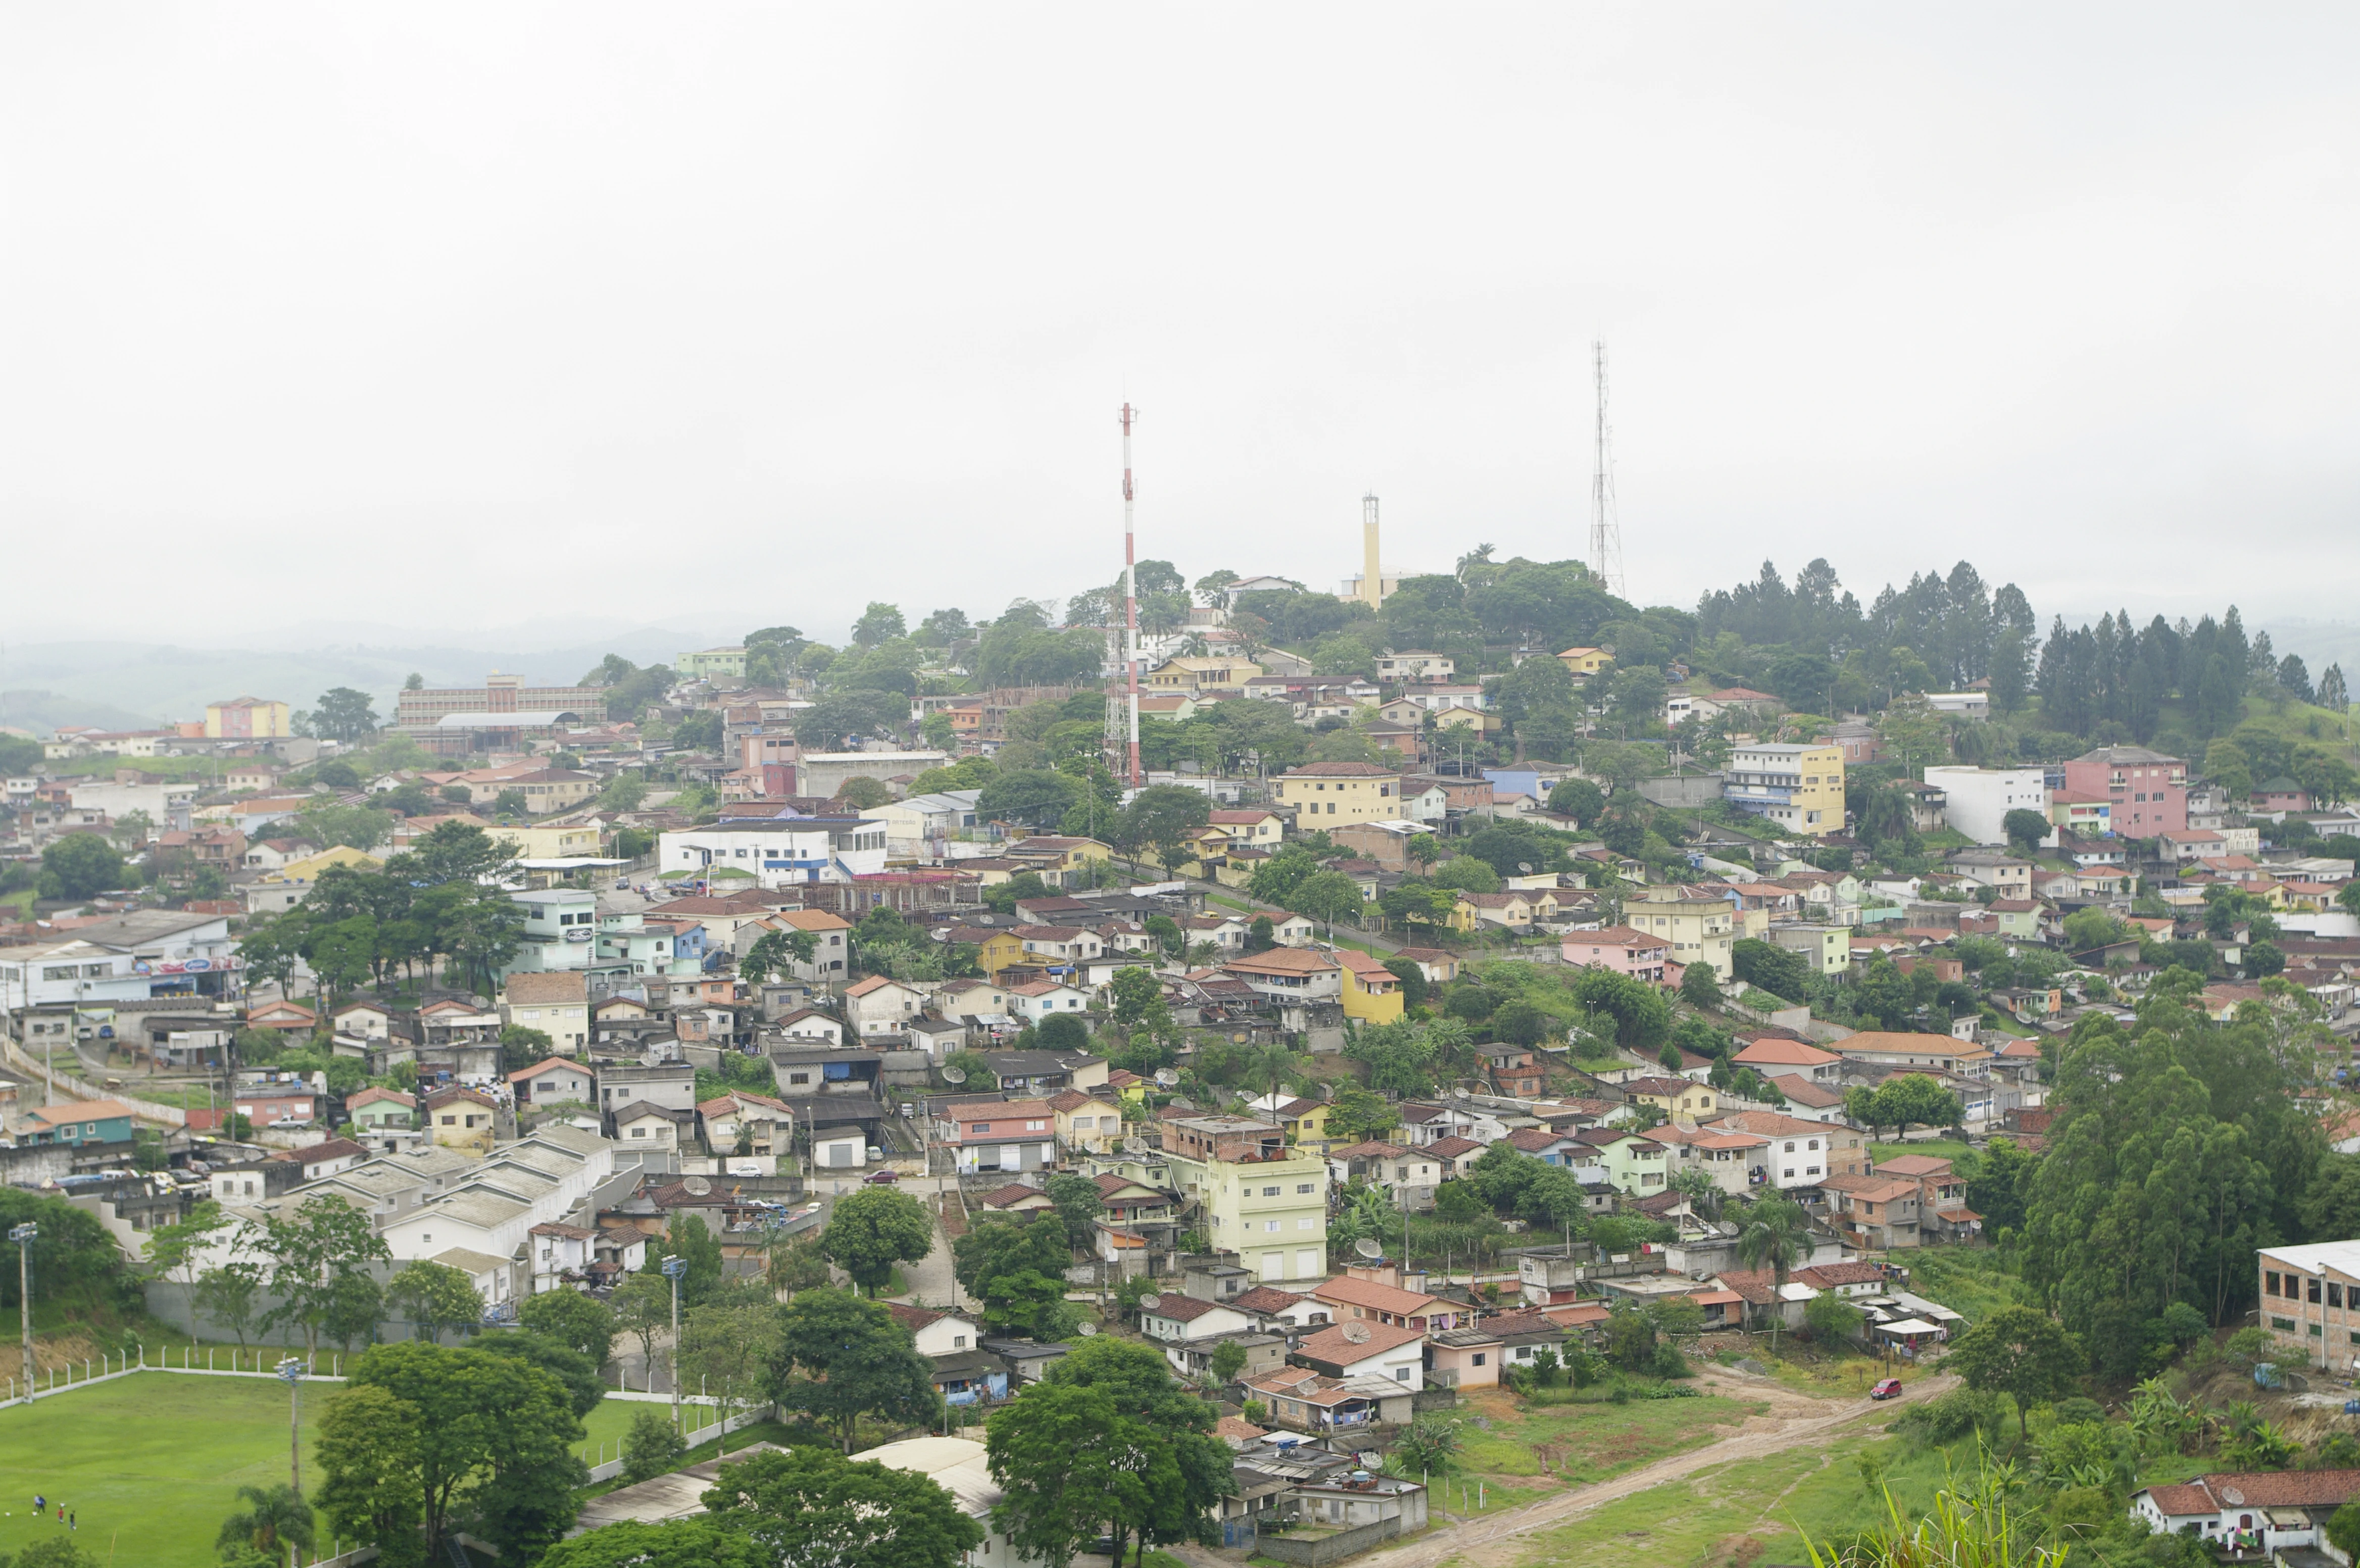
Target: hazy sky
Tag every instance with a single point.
(459, 315)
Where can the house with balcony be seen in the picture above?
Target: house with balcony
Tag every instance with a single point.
(1799, 787)
(1259, 1198)
(1358, 1348)
(1304, 1401)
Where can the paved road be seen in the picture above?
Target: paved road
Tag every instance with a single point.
(1796, 1421)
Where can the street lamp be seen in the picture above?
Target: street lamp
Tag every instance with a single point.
(290, 1372)
(23, 1236)
(674, 1268)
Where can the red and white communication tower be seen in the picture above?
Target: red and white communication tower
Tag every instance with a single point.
(1130, 599)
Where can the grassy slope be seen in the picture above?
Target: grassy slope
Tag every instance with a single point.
(1585, 1443)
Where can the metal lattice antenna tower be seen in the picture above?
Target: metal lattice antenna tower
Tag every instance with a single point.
(1130, 601)
(1605, 531)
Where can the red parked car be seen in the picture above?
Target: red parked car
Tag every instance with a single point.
(1886, 1389)
(877, 1177)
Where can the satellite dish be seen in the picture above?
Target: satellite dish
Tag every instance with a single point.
(1356, 1333)
(1088, 1329)
(697, 1186)
(1165, 1077)
(1150, 1302)
(1525, 867)
(953, 1075)
(1369, 1247)
(1134, 1145)
(1459, 1091)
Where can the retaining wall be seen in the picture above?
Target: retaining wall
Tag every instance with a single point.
(1317, 1552)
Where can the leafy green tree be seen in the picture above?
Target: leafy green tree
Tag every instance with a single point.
(230, 1295)
(1414, 984)
(1079, 1204)
(730, 1350)
(571, 1368)
(1831, 1319)
(1107, 1438)
(1016, 1269)
(676, 1543)
(1772, 968)
(777, 952)
(1275, 879)
(572, 1318)
(1356, 1114)
(311, 1252)
(80, 865)
(490, 1444)
(1642, 1016)
(2020, 1351)
(1262, 935)
(175, 1252)
(1062, 1032)
(1228, 1359)
(652, 1447)
(344, 715)
(692, 1242)
(1327, 897)
(839, 1358)
(1137, 993)
(369, 1452)
(435, 1297)
(1161, 818)
(1467, 874)
(871, 1229)
(807, 1505)
(1700, 986)
(2025, 830)
(1579, 799)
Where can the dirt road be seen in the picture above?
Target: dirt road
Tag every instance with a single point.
(1794, 1420)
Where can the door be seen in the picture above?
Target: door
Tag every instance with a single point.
(1306, 1262)
(1273, 1266)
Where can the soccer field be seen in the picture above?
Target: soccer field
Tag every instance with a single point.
(151, 1463)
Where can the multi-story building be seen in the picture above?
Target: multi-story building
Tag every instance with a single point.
(1619, 949)
(1977, 800)
(2147, 791)
(1827, 947)
(1337, 793)
(497, 716)
(1798, 787)
(2311, 1303)
(728, 663)
(1693, 930)
(1259, 1199)
(246, 718)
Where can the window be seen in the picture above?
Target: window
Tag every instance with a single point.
(1479, 1358)
(2335, 1294)
(1303, 1187)
(2314, 1330)
(1270, 1192)
(2310, 1291)
(1306, 1225)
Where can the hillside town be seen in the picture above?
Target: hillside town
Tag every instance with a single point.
(1436, 1034)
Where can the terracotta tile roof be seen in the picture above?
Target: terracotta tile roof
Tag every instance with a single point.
(1267, 1299)
(1345, 1290)
(1534, 1140)
(1015, 1193)
(1330, 1344)
(1827, 1275)
(1803, 1092)
(1772, 1052)
(1452, 1147)
(1181, 1309)
(2281, 1489)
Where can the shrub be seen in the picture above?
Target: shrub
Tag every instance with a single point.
(652, 1447)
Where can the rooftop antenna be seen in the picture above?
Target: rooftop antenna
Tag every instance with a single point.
(1130, 599)
(1605, 533)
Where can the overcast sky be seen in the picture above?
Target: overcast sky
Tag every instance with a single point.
(454, 316)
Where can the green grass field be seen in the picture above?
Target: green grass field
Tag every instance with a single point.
(152, 1464)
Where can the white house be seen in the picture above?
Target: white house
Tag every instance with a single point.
(1981, 799)
(1038, 999)
(1364, 1348)
(2282, 1509)
(1177, 1319)
(779, 851)
(883, 1008)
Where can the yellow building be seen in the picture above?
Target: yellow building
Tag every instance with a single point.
(1585, 664)
(1061, 862)
(1337, 793)
(549, 842)
(995, 950)
(1693, 930)
(309, 868)
(246, 719)
(1680, 1098)
(1201, 676)
(1802, 788)
(1372, 992)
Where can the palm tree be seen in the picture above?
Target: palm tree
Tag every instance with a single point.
(273, 1518)
(1777, 1234)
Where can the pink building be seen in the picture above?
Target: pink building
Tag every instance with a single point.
(2147, 791)
(1619, 949)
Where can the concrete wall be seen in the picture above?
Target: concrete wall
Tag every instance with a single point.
(1688, 791)
(1317, 1552)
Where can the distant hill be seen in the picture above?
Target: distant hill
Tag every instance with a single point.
(132, 685)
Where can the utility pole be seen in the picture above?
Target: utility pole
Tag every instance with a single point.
(674, 1268)
(1605, 531)
(23, 1236)
(290, 1372)
(1130, 599)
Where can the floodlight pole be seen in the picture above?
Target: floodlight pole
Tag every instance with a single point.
(674, 1268)
(290, 1372)
(23, 1236)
